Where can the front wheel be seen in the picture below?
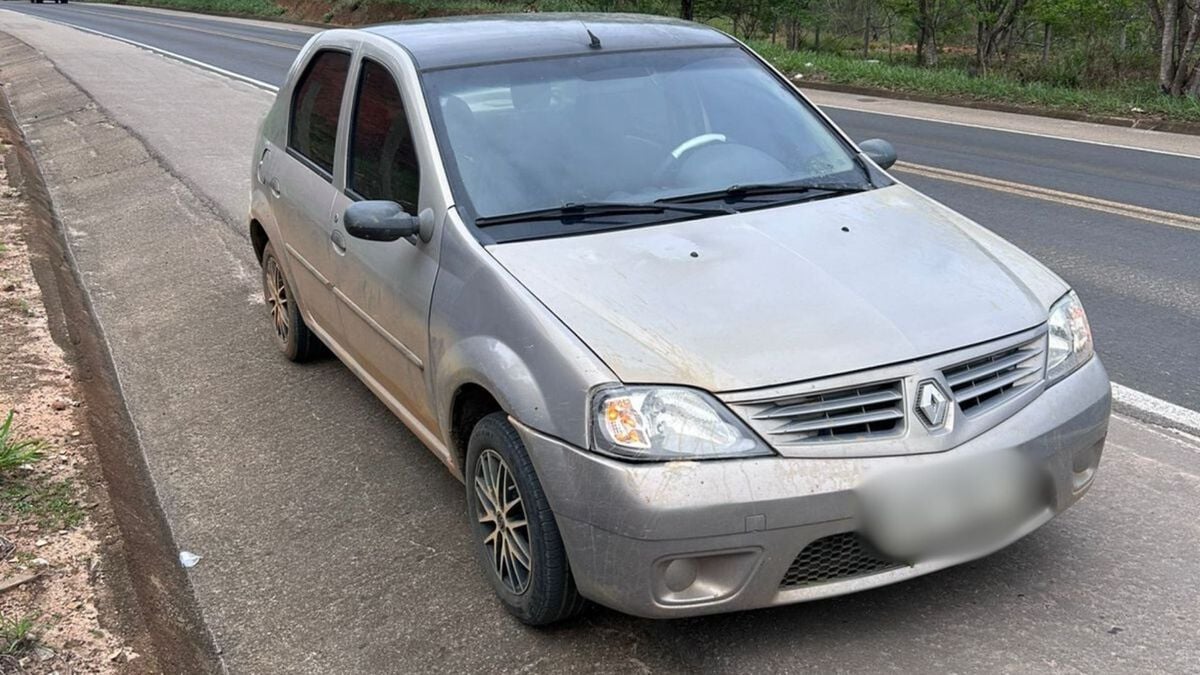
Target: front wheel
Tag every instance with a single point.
(517, 540)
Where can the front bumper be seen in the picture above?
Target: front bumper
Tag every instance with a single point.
(689, 538)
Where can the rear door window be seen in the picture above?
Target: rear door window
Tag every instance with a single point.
(383, 162)
(316, 104)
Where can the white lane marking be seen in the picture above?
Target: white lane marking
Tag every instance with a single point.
(194, 29)
(1171, 218)
(1156, 407)
(169, 54)
(1131, 397)
(1023, 132)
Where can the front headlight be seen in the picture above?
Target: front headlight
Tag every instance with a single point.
(1070, 338)
(664, 423)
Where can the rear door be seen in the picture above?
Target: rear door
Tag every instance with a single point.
(303, 188)
(385, 287)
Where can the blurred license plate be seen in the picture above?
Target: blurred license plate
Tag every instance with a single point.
(949, 507)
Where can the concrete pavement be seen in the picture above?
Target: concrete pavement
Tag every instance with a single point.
(333, 542)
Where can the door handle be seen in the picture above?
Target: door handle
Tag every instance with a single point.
(339, 242)
(274, 185)
(262, 160)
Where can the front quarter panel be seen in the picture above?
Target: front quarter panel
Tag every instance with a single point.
(487, 329)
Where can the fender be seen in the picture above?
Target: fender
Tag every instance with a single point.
(487, 329)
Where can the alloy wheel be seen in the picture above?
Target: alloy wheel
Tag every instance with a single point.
(502, 522)
(277, 298)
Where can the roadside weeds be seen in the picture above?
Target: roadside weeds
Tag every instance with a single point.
(53, 509)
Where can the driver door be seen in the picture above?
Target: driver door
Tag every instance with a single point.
(384, 288)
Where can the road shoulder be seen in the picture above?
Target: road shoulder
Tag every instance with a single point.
(1185, 145)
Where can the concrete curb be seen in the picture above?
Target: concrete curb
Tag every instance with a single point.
(162, 594)
(1147, 408)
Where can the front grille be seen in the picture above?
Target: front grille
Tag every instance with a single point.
(833, 558)
(983, 383)
(851, 414)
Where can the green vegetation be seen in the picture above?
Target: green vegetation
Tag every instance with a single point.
(957, 83)
(16, 452)
(259, 8)
(17, 636)
(49, 504)
(20, 305)
(31, 497)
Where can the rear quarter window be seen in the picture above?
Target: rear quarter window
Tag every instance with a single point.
(316, 105)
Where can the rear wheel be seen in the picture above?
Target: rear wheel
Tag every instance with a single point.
(517, 540)
(292, 335)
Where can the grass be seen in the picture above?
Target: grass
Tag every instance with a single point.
(17, 635)
(14, 451)
(260, 8)
(20, 305)
(1128, 100)
(50, 504)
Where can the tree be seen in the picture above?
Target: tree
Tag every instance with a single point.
(994, 18)
(1178, 26)
(927, 42)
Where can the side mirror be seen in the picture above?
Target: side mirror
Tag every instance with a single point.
(880, 151)
(379, 220)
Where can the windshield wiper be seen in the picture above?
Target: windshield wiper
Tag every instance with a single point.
(580, 211)
(803, 188)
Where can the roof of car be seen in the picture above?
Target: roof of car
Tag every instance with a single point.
(459, 41)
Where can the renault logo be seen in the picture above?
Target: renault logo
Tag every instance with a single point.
(933, 405)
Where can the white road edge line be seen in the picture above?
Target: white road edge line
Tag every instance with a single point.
(1156, 408)
(1039, 134)
(169, 54)
(1132, 398)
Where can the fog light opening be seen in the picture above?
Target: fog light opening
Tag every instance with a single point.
(680, 574)
(700, 577)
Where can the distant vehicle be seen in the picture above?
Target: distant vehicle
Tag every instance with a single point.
(690, 349)
(55, 1)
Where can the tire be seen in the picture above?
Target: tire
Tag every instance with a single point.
(546, 593)
(289, 331)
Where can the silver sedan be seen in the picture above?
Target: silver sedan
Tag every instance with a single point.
(689, 348)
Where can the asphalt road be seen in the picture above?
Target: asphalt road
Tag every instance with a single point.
(333, 542)
(1139, 280)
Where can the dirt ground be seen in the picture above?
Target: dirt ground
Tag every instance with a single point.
(53, 512)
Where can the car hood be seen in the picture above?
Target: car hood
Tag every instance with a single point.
(785, 294)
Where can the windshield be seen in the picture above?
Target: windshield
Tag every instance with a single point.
(634, 127)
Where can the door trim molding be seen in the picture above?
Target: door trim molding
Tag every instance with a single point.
(304, 263)
(392, 340)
